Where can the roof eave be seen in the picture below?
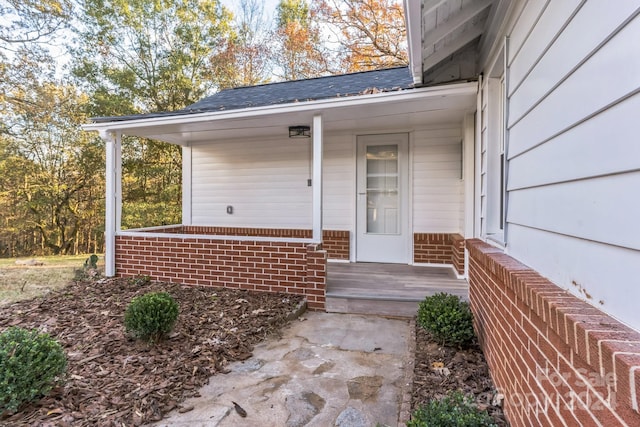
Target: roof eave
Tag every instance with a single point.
(308, 106)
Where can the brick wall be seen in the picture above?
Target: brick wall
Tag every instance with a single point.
(439, 248)
(557, 359)
(334, 242)
(296, 268)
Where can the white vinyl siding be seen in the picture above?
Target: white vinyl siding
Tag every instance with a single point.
(602, 274)
(264, 181)
(574, 160)
(338, 201)
(438, 191)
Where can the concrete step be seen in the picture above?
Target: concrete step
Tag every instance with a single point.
(396, 307)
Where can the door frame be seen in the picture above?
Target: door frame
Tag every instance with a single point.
(407, 222)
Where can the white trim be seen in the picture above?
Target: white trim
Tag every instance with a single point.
(503, 17)
(411, 208)
(413, 21)
(430, 264)
(113, 206)
(496, 239)
(477, 223)
(466, 263)
(187, 179)
(118, 177)
(382, 247)
(338, 261)
(317, 178)
(353, 241)
(155, 227)
(468, 175)
(308, 106)
(214, 237)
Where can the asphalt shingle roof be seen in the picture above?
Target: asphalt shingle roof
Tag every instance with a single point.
(318, 88)
(306, 90)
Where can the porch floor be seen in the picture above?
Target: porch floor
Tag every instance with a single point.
(387, 289)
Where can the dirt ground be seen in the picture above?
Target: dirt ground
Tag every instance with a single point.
(439, 370)
(113, 379)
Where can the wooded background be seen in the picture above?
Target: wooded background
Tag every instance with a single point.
(64, 61)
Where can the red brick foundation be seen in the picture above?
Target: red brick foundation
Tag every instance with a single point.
(296, 268)
(335, 242)
(557, 359)
(439, 248)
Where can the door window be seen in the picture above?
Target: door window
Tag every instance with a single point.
(383, 201)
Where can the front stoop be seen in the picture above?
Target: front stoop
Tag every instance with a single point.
(381, 306)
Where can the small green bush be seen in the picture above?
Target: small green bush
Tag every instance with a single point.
(448, 318)
(151, 316)
(453, 410)
(31, 363)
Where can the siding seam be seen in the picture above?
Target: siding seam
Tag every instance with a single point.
(584, 178)
(573, 236)
(545, 50)
(577, 123)
(575, 68)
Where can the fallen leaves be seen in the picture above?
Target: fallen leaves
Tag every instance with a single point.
(239, 410)
(440, 369)
(115, 380)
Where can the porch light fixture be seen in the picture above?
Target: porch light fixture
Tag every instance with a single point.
(299, 132)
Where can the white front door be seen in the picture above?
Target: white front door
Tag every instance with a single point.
(382, 201)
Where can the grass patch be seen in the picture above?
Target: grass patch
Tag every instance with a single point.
(19, 282)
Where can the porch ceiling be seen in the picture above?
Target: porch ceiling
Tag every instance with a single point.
(402, 110)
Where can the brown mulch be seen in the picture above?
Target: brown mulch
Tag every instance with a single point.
(440, 369)
(114, 380)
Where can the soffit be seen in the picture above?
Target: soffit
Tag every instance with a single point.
(452, 33)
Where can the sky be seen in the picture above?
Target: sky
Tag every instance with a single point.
(269, 6)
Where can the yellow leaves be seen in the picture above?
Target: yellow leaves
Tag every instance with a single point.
(371, 32)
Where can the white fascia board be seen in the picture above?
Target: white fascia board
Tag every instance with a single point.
(413, 21)
(308, 106)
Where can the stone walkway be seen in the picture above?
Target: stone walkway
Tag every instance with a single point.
(327, 370)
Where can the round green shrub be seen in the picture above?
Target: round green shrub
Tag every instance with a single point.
(31, 363)
(151, 316)
(448, 318)
(454, 410)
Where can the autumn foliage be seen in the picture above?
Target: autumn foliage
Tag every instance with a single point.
(371, 33)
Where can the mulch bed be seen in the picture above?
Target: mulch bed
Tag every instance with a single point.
(440, 369)
(114, 380)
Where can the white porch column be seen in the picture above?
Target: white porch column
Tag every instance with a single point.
(113, 207)
(317, 178)
(186, 185)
